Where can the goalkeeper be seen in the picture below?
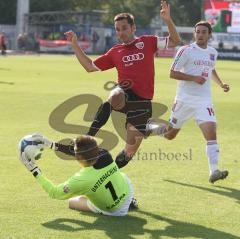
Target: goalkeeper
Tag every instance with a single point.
(98, 186)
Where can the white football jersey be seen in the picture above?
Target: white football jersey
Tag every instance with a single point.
(193, 60)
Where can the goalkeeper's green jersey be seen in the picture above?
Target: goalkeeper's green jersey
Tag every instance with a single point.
(103, 184)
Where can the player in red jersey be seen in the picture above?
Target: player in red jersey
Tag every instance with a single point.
(134, 61)
(3, 46)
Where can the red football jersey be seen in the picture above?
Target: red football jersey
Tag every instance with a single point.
(134, 62)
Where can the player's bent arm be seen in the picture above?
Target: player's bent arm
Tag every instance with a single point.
(83, 59)
(177, 75)
(182, 76)
(216, 78)
(60, 191)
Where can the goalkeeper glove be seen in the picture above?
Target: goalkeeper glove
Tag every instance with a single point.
(45, 141)
(29, 164)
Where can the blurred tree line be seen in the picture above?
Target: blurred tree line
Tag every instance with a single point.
(184, 12)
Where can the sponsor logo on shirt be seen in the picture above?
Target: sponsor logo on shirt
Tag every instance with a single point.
(134, 57)
(203, 63)
(118, 200)
(205, 72)
(139, 45)
(212, 57)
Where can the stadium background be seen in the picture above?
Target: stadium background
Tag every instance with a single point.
(40, 27)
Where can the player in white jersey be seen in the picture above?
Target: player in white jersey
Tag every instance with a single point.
(194, 67)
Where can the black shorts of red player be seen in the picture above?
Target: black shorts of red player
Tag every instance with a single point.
(137, 109)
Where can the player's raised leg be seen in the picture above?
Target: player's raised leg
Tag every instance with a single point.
(138, 111)
(115, 101)
(212, 150)
(100, 118)
(133, 141)
(156, 128)
(180, 114)
(162, 129)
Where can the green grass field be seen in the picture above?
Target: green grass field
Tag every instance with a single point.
(175, 198)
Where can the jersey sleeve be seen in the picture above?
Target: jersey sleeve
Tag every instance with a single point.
(150, 41)
(181, 59)
(162, 42)
(104, 62)
(64, 190)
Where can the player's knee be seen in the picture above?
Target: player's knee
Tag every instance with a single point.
(117, 99)
(71, 203)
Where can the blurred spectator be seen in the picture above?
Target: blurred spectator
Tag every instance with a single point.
(95, 38)
(83, 37)
(220, 45)
(3, 46)
(27, 42)
(108, 42)
(21, 42)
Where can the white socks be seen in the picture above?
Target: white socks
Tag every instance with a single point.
(157, 128)
(212, 151)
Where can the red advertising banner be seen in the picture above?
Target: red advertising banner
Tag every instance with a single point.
(170, 52)
(62, 45)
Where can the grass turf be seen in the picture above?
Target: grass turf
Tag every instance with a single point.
(176, 200)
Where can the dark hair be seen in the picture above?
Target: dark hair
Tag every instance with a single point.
(86, 148)
(204, 23)
(121, 16)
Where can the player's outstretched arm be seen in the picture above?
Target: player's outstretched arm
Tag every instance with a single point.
(47, 143)
(61, 191)
(216, 78)
(84, 60)
(174, 38)
(57, 146)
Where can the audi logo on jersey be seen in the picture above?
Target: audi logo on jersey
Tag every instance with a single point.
(134, 57)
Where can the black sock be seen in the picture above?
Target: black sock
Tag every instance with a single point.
(67, 149)
(100, 119)
(122, 159)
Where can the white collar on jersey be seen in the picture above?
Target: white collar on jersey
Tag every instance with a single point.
(200, 48)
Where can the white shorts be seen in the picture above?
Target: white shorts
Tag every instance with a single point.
(181, 112)
(122, 211)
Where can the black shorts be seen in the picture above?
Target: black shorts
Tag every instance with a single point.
(137, 109)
